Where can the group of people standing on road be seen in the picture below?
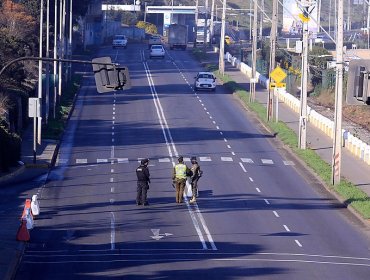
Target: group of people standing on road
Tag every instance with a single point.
(179, 177)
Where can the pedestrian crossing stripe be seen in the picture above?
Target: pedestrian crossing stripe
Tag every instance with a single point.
(168, 160)
(205, 159)
(247, 160)
(122, 160)
(226, 159)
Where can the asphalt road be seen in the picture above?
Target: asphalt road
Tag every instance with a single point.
(259, 214)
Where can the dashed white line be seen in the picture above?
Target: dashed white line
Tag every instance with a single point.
(229, 146)
(122, 160)
(286, 228)
(298, 243)
(226, 159)
(225, 139)
(112, 171)
(276, 214)
(267, 202)
(258, 190)
(111, 200)
(242, 166)
(267, 161)
(251, 179)
(81, 160)
(217, 127)
(205, 159)
(111, 180)
(233, 153)
(112, 189)
(101, 160)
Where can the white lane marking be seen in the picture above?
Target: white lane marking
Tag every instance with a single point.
(122, 160)
(112, 140)
(111, 201)
(112, 189)
(112, 127)
(221, 133)
(205, 159)
(206, 230)
(101, 160)
(81, 160)
(242, 166)
(288, 162)
(114, 113)
(112, 152)
(217, 127)
(112, 171)
(112, 161)
(286, 228)
(113, 122)
(225, 139)
(226, 159)
(202, 105)
(251, 179)
(258, 190)
(187, 159)
(276, 214)
(267, 161)
(112, 231)
(170, 143)
(247, 160)
(298, 243)
(233, 153)
(164, 160)
(111, 180)
(113, 118)
(267, 202)
(208, 113)
(229, 146)
(112, 133)
(211, 117)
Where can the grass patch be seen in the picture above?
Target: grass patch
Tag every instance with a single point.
(199, 54)
(55, 127)
(351, 195)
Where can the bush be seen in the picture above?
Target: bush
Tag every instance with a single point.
(10, 149)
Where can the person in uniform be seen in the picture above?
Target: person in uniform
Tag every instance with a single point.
(180, 172)
(196, 173)
(143, 180)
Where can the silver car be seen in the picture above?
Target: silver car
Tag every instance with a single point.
(157, 51)
(205, 80)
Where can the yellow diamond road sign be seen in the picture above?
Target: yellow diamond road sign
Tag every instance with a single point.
(278, 74)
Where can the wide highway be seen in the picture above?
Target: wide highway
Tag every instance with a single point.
(260, 214)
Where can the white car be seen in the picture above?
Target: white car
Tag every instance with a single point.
(119, 41)
(205, 80)
(157, 51)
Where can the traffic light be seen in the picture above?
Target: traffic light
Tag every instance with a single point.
(109, 76)
(358, 86)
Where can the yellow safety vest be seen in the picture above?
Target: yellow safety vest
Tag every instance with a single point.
(180, 171)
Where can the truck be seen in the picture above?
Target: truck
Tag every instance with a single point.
(178, 36)
(200, 31)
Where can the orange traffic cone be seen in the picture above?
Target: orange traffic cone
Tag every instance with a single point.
(22, 233)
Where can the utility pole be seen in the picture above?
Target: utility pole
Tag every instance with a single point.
(39, 93)
(250, 19)
(368, 25)
(349, 15)
(221, 61)
(55, 73)
(205, 26)
(273, 35)
(305, 5)
(337, 139)
(47, 70)
(253, 79)
(262, 10)
(196, 23)
(318, 15)
(212, 20)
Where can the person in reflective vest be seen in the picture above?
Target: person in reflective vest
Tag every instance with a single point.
(180, 172)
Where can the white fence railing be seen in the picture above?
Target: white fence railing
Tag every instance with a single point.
(357, 147)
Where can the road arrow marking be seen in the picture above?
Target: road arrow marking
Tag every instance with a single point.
(157, 235)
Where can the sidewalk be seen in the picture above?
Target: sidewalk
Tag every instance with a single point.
(353, 169)
(10, 249)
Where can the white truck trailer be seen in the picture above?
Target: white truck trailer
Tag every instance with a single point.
(178, 36)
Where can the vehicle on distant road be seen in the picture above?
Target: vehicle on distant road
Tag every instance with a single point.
(119, 41)
(178, 36)
(205, 80)
(154, 40)
(157, 51)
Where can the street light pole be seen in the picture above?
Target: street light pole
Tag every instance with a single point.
(196, 22)
(337, 139)
(55, 57)
(212, 19)
(221, 61)
(205, 26)
(272, 56)
(39, 95)
(253, 79)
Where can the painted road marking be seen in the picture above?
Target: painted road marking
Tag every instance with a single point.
(288, 162)
(122, 160)
(226, 158)
(267, 202)
(81, 161)
(286, 228)
(205, 159)
(247, 160)
(164, 160)
(298, 243)
(101, 160)
(267, 161)
(242, 166)
(276, 214)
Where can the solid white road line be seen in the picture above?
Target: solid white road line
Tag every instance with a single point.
(112, 231)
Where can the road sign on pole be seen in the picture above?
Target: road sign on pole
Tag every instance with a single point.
(278, 74)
